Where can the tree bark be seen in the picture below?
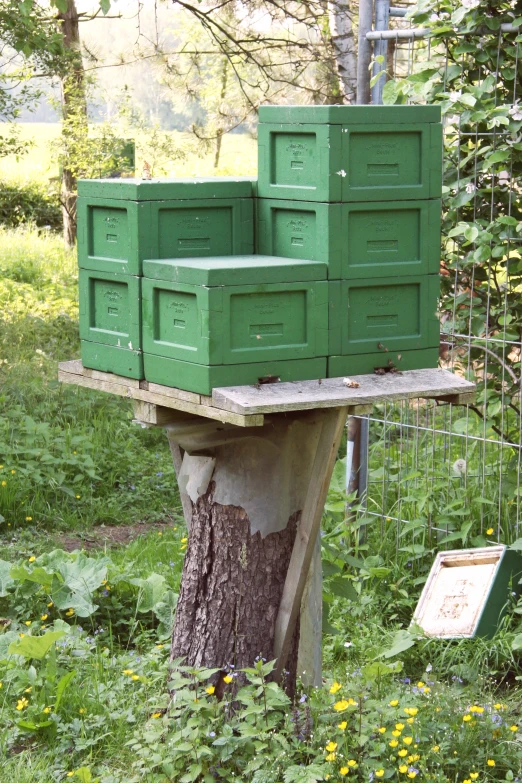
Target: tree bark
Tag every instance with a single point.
(343, 41)
(74, 114)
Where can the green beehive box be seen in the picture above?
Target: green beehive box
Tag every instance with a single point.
(110, 309)
(382, 361)
(392, 314)
(302, 230)
(235, 310)
(356, 240)
(194, 218)
(109, 358)
(350, 153)
(201, 378)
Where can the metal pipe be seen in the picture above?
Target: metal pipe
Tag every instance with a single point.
(380, 49)
(394, 11)
(364, 51)
(425, 32)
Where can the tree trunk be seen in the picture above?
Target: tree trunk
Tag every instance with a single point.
(242, 533)
(343, 41)
(74, 115)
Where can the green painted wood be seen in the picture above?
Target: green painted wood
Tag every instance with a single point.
(360, 162)
(301, 230)
(364, 364)
(235, 324)
(506, 581)
(240, 270)
(203, 378)
(353, 115)
(394, 314)
(109, 358)
(137, 189)
(110, 308)
(384, 238)
(299, 162)
(116, 236)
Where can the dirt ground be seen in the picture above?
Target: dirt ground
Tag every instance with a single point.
(107, 536)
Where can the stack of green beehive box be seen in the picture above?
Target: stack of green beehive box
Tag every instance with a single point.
(359, 187)
(340, 275)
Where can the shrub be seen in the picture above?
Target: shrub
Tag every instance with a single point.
(30, 202)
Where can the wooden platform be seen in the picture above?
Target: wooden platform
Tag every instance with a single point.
(246, 406)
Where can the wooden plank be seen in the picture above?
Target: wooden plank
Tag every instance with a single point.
(92, 383)
(307, 533)
(333, 393)
(76, 368)
(170, 391)
(207, 411)
(241, 420)
(464, 398)
(148, 413)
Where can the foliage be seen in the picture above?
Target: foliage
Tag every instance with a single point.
(29, 202)
(473, 75)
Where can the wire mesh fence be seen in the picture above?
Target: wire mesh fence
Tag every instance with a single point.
(443, 476)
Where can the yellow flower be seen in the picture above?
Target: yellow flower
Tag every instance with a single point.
(412, 774)
(69, 612)
(28, 623)
(44, 617)
(29, 689)
(435, 748)
(342, 705)
(184, 540)
(410, 720)
(343, 771)
(396, 733)
(135, 677)
(210, 690)
(403, 768)
(403, 752)
(50, 604)
(490, 762)
(331, 757)
(420, 684)
(513, 728)
(331, 746)
(21, 704)
(413, 758)
(468, 780)
(489, 531)
(128, 671)
(382, 730)
(4, 483)
(379, 773)
(394, 703)
(21, 635)
(156, 715)
(393, 743)
(227, 679)
(478, 710)
(466, 718)
(70, 774)
(13, 472)
(32, 559)
(1, 466)
(352, 763)
(47, 710)
(407, 740)
(28, 519)
(342, 725)
(473, 775)
(160, 646)
(78, 497)
(412, 711)
(426, 689)
(82, 710)
(336, 687)
(399, 726)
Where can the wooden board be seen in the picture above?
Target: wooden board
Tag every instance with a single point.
(333, 393)
(73, 373)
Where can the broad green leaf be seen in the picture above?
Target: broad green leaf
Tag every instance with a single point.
(516, 644)
(83, 774)
(401, 641)
(152, 591)
(343, 588)
(34, 646)
(105, 6)
(64, 683)
(6, 581)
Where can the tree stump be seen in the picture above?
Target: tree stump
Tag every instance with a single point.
(248, 488)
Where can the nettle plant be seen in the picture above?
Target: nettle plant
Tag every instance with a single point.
(475, 74)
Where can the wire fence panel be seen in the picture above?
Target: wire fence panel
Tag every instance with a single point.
(443, 476)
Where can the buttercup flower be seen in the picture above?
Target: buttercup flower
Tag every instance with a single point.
(403, 752)
(210, 690)
(331, 757)
(393, 743)
(156, 715)
(352, 764)
(466, 718)
(343, 771)
(382, 730)
(489, 531)
(394, 703)
(407, 740)
(339, 706)
(331, 746)
(473, 775)
(435, 748)
(21, 704)
(399, 726)
(32, 559)
(379, 773)
(227, 679)
(513, 728)
(336, 687)
(403, 768)
(342, 725)
(490, 762)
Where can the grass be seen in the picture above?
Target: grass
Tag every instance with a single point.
(238, 156)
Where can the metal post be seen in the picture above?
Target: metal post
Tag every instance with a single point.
(380, 48)
(364, 51)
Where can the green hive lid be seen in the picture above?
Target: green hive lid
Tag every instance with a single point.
(153, 189)
(235, 270)
(349, 115)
